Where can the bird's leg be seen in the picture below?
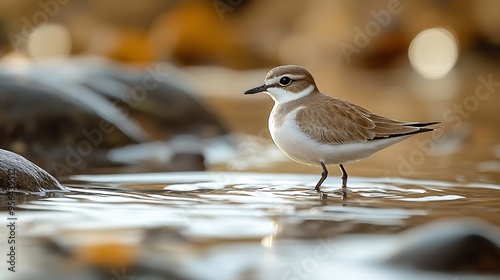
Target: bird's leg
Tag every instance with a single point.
(324, 174)
(344, 180)
(344, 176)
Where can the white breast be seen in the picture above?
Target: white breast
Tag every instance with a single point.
(291, 141)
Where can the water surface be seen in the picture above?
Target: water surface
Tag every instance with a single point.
(264, 223)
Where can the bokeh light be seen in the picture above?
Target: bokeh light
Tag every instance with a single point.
(433, 52)
(49, 40)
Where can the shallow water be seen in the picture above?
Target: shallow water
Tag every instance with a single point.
(247, 205)
(223, 198)
(268, 224)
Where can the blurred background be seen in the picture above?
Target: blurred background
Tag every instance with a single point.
(119, 87)
(67, 65)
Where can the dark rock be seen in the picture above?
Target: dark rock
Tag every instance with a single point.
(17, 174)
(450, 246)
(66, 115)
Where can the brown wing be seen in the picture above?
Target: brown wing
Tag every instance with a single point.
(335, 121)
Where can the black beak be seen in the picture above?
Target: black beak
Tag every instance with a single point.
(257, 89)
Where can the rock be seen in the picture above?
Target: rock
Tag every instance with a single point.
(17, 174)
(470, 246)
(66, 115)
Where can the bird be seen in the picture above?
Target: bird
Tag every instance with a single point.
(316, 129)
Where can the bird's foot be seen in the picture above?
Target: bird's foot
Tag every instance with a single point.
(342, 192)
(323, 195)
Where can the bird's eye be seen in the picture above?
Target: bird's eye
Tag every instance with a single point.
(285, 81)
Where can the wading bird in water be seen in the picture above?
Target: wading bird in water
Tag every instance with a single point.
(316, 129)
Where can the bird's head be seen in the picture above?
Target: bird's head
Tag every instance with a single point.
(286, 83)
